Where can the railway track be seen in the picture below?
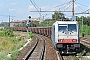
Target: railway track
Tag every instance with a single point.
(85, 41)
(60, 57)
(64, 57)
(67, 58)
(37, 52)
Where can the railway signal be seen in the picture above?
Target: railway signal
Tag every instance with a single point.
(27, 25)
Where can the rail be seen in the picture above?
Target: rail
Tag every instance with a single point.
(43, 50)
(37, 52)
(31, 51)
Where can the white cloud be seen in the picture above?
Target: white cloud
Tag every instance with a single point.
(45, 7)
(88, 7)
(22, 11)
(11, 10)
(14, 3)
(31, 8)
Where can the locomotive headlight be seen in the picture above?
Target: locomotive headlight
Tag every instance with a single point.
(74, 40)
(60, 40)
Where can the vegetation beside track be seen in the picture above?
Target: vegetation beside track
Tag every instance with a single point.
(10, 43)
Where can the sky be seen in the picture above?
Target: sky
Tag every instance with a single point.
(20, 9)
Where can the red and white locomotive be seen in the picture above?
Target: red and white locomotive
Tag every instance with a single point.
(65, 36)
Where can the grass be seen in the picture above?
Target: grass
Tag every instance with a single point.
(6, 43)
(10, 45)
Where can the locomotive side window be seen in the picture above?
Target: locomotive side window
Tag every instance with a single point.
(72, 27)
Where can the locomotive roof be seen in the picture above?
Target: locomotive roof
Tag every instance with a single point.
(65, 22)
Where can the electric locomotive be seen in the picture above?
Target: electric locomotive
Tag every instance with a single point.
(65, 37)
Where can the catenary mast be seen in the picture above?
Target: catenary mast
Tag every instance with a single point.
(72, 7)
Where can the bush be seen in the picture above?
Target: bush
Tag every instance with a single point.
(1, 29)
(86, 30)
(8, 33)
(31, 35)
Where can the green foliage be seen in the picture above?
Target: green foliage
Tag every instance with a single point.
(8, 33)
(3, 56)
(1, 34)
(47, 22)
(10, 45)
(1, 29)
(88, 54)
(20, 38)
(86, 25)
(31, 35)
(14, 40)
(80, 56)
(57, 15)
(85, 30)
(15, 54)
(4, 44)
(13, 48)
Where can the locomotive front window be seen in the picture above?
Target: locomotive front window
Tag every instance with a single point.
(72, 27)
(62, 27)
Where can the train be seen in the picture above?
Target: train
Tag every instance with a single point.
(64, 35)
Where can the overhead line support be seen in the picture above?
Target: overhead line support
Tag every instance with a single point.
(50, 11)
(73, 8)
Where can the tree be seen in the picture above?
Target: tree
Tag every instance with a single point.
(57, 15)
(88, 20)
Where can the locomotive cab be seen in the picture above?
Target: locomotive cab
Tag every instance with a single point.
(65, 36)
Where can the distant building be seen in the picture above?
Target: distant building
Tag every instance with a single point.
(35, 20)
(17, 23)
(22, 23)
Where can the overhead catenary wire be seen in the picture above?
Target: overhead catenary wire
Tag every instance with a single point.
(62, 4)
(83, 11)
(67, 7)
(35, 7)
(79, 7)
(64, 10)
(81, 4)
(35, 3)
(59, 5)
